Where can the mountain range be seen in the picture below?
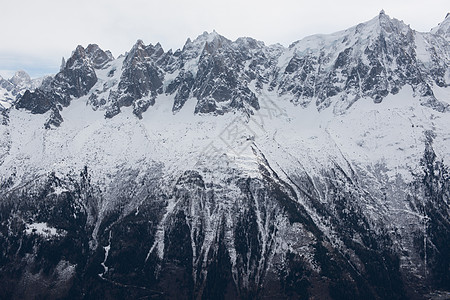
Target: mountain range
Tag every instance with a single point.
(232, 170)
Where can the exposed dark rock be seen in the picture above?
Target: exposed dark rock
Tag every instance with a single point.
(98, 57)
(141, 79)
(73, 81)
(37, 102)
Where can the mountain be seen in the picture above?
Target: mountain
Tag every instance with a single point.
(233, 169)
(443, 29)
(13, 88)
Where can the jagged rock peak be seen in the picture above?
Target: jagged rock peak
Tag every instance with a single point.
(136, 50)
(79, 51)
(213, 37)
(443, 29)
(77, 59)
(213, 40)
(63, 64)
(73, 81)
(221, 74)
(209, 42)
(391, 25)
(208, 36)
(139, 44)
(93, 55)
(142, 52)
(250, 43)
(99, 58)
(20, 78)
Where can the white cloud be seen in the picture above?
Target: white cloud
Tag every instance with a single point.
(49, 29)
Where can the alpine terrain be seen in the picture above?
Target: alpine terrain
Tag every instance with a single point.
(232, 170)
(15, 87)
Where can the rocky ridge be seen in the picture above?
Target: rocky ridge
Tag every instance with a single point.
(13, 88)
(373, 59)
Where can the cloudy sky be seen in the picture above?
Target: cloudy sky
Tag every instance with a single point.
(35, 35)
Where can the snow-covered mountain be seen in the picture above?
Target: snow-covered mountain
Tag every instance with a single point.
(443, 29)
(232, 169)
(15, 87)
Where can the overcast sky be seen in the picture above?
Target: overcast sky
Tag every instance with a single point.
(35, 35)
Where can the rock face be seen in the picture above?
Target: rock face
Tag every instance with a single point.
(443, 29)
(15, 87)
(373, 59)
(75, 80)
(233, 170)
(141, 80)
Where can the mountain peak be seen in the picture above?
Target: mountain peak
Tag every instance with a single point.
(78, 58)
(98, 57)
(249, 42)
(79, 51)
(384, 23)
(209, 41)
(443, 28)
(209, 37)
(388, 23)
(139, 43)
(20, 77)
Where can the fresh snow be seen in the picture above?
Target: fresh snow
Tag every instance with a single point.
(42, 229)
(389, 133)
